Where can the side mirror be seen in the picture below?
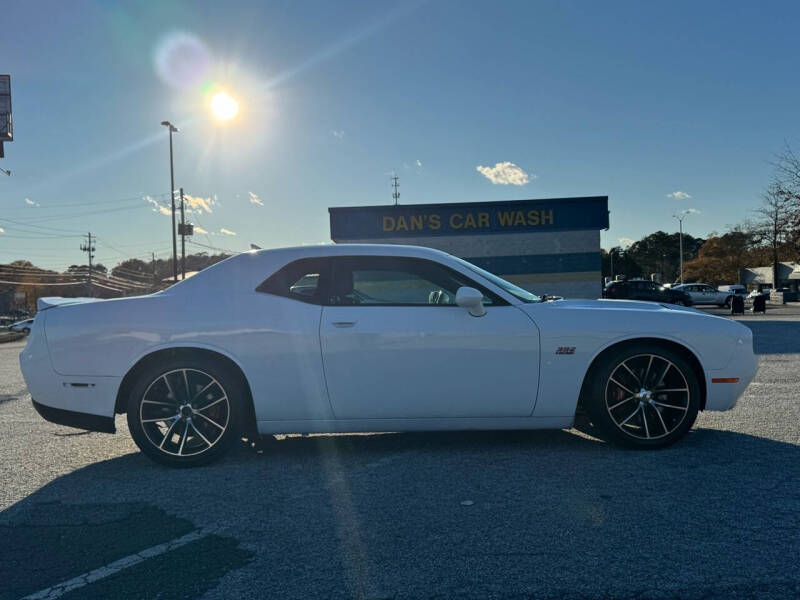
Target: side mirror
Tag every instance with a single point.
(471, 299)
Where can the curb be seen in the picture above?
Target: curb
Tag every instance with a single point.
(10, 337)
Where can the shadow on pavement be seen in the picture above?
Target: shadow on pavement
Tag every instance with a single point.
(775, 337)
(467, 515)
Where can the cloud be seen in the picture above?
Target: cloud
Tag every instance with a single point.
(626, 241)
(419, 163)
(30, 202)
(679, 195)
(198, 229)
(255, 199)
(505, 173)
(692, 211)
(197, 204)
(338, 133)
(2, 230)
(224, 231)
(157, 206)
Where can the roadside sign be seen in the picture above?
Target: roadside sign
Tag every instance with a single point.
(6, 129)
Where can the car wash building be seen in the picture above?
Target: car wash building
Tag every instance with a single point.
(549, 246)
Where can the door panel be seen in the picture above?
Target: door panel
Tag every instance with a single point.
(429, 361)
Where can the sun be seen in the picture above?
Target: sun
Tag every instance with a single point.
(224, 106)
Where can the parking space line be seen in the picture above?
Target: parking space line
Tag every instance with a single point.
(58, 590)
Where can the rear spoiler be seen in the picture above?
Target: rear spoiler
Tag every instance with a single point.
(53, 301)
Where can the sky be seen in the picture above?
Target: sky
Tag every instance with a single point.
(661, 106)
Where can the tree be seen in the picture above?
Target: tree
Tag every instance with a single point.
(772, 227)
(787, 184)
(623, 263)
(721, 258)
(84, 269)
(659, 252)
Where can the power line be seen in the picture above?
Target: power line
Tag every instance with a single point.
(84, 214)
(45, 227)
(17, 273)
(130, 272)
(39, 283)
(214, 247)
(95, 203)
(34, 237)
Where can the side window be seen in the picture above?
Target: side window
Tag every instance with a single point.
(301, 280)
(385, 280)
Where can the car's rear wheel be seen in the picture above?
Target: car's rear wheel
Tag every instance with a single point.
(643, 396)
(186, 411)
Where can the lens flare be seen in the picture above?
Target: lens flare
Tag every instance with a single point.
(223, 106)
(182, 60)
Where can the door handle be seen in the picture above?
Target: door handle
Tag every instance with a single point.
(343, 323)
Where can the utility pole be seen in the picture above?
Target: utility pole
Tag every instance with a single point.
(172, 129)
(183, 240)
(680, 246)
(153, 254)
(395, 185)
(89, 248)
(611, 256)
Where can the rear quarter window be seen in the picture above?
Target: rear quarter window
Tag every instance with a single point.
(303, 280)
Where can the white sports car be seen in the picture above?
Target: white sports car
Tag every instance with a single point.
(373, 338)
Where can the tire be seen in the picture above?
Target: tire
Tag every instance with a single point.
(195, 398)
(615, 398)
(26, 330)
(679, 302)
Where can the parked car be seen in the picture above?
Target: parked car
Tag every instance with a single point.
(755, 293)
(649, 291)
(22, 326)
(734, 289)
(390, 338)
(701, 293)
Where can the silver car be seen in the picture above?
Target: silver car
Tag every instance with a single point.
(702, 293)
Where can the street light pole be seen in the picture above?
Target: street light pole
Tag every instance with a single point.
(681, 216)
(172, 129)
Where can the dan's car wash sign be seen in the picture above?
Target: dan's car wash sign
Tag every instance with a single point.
(468, 218)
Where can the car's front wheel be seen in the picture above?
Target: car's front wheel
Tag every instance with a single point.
(643, 396)
(185, 412)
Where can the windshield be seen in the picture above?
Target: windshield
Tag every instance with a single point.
(509, 287)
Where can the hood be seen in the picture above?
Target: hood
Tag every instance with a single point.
(626, 305)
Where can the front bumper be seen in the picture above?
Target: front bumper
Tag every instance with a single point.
(723, 394)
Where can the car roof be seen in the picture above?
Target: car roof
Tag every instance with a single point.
(248, 269)
(357, 249)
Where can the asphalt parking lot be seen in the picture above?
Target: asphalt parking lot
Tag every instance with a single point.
(456, 515)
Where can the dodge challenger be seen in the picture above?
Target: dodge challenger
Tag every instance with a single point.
(349, 338)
